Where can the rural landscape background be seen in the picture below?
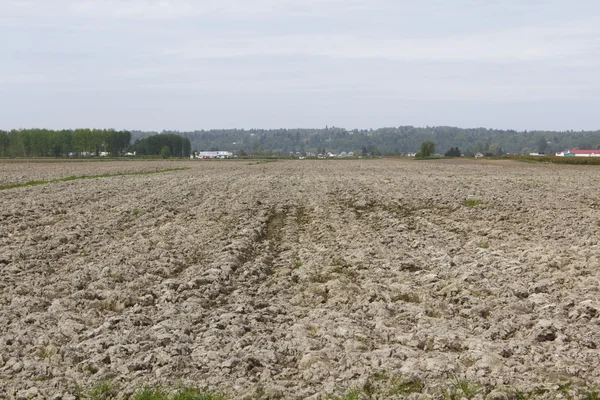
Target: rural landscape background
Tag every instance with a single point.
(282, 142)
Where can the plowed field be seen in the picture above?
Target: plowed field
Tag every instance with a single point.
(301, 278)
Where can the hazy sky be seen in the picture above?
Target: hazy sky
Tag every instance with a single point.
(201, 64)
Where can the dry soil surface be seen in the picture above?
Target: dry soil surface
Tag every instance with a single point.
(16, 171)
(297, 279)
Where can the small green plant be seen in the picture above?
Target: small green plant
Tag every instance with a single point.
(104, 390)
(523, 396)
(297, 263)
(380, 376)
(484, 245)
(150, 394)
(337, 269)
(344, 271)
(136, 212)
(369, 389)
(78, 390)
(313, 330)
(46, 353)
(592, 395)
(407, 297)
(468, 389)
(353, 394)
(481, 293)
(196, 394)
(473, 203)
(406, 387)
(564, 385)
(449, 394)
(363, 339)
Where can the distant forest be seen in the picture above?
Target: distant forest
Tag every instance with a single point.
(281, 142)
(87, 143)
(48, 143)
(386, 141)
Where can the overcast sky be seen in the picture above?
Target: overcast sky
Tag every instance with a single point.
(202, 64)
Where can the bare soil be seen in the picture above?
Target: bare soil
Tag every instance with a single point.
(297, 279)
(18, 171)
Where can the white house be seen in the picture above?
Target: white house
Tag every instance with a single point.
(214, 154)
(578, 153)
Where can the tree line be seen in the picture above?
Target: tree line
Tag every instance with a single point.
(166, 145)
(62, 143)
(282, 142)
(87, 143)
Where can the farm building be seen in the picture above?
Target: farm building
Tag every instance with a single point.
(578, 153)
(213, 154)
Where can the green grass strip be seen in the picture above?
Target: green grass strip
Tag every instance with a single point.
(431, 158)
(551, 159)
(73, 178)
